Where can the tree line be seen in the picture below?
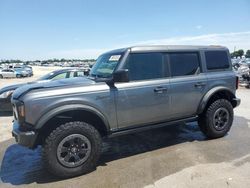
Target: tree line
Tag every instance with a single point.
(16, 61)
(240, 53)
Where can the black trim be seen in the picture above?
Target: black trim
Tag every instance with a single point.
(236, 102)
(134, 129)
(209, 94)
(24, 138)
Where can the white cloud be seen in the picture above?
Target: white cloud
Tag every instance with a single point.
(230, 40)
(198, 27)
(240, 40)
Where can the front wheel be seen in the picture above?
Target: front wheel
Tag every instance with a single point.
(72, 149)
(217, 120)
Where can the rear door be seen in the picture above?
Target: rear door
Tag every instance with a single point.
(145, 99)
(187, 83)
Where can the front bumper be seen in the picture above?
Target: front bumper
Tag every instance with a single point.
(237, 101)
(24, 138)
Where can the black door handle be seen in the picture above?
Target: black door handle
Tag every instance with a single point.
(200, 84)
(160, 89)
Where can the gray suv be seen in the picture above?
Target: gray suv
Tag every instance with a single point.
(128, 90)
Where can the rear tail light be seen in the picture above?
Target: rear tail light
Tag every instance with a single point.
(237, 82)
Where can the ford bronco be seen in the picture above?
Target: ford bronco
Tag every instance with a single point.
(128, 90)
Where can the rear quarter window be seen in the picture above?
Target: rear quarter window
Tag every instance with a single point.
(217, 60)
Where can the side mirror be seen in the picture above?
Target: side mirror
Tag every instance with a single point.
(121, 76)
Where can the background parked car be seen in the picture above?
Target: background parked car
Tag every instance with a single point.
(6, 92)
(20, 72)
(8, 73)
(27, 70)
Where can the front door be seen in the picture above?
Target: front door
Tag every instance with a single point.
(145, 99)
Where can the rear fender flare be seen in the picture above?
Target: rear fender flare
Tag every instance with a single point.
(209, 94)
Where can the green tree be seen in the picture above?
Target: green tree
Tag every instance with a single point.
(248, 53)
(237, 53)
(240, 52)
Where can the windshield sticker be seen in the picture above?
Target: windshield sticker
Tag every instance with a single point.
(114, 58)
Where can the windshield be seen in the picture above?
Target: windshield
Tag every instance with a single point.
(105, 65)
(46, 76)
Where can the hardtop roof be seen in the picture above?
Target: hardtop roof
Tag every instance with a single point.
(175, 47)
(146, 48)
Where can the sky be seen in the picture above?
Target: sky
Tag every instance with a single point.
(46, 29)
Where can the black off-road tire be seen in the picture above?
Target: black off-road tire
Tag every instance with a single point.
(49, 153)
(206, 122)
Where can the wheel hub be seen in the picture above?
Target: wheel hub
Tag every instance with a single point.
(73, 150)
(221, 118)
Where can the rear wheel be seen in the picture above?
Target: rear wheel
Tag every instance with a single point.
(18, 76)
(72, 149)
(1, 76)
(217, 120)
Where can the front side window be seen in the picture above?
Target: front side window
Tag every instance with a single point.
(60, 76)
(216, 60)
(105, 65)
(183, 64)
(145, 66)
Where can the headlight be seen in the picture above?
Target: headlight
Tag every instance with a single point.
(20, 111)
(6, 94)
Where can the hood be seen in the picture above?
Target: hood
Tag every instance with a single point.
(51, 84)
(15, 86)
(10, 88)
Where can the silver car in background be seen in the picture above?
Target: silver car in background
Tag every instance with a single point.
(8, 73)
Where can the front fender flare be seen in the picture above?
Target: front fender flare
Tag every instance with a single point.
(70, 107)
(209, 94)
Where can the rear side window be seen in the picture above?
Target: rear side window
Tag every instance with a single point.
(71, 74)
(216, 60)
(145, 66)
(182, 64)
(80, 74)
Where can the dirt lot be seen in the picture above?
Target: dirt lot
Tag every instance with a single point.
(174, 156)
